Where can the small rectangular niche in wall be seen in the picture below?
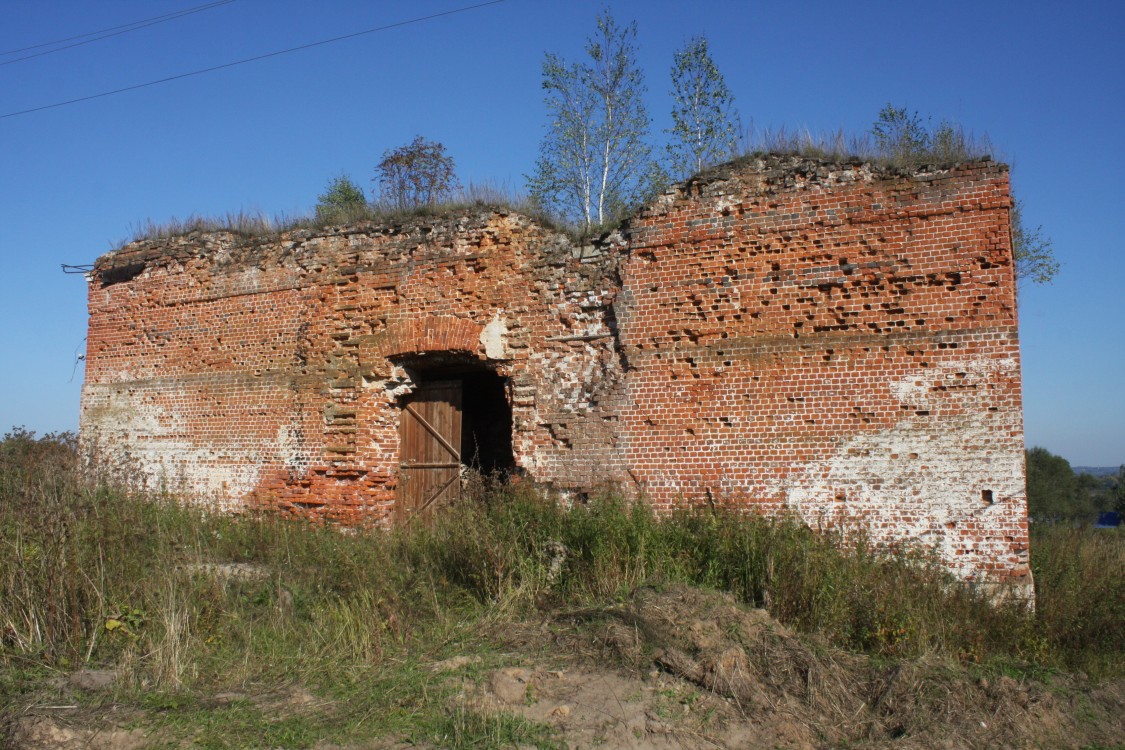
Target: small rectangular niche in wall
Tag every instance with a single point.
(986, 496)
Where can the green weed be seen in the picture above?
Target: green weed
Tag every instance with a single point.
(183, 602)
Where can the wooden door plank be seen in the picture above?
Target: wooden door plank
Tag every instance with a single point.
(435, 432)
(429, 437)
(429, 501)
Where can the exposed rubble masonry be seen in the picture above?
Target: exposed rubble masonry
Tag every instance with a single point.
(838, 341)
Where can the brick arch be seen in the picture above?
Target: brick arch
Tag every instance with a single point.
(435, 333)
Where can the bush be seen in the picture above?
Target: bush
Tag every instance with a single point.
(342, 202)
(420, 173)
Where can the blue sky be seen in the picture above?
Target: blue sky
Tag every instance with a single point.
(1045, 80)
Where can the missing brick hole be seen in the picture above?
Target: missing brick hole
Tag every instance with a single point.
(986, 496)
(121, 273)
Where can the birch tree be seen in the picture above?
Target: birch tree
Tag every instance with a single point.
(705, 122)
(1033, 251)
(593, 162)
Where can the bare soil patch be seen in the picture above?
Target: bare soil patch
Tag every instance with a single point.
(688, 668)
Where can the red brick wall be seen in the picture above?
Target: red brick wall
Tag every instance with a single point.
(271, 371)
(830, 340)
(836, 343)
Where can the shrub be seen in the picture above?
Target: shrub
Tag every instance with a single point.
(341, 202)
(1080, 590)
(417, 174)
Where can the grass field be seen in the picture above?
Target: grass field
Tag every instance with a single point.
(184, 605)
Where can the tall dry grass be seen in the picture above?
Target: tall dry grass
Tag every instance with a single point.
(948, 144)
(93, 573)
(475, 196)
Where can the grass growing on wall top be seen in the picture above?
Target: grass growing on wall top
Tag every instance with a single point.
(948, 144)
(474, 197)
(957, 145)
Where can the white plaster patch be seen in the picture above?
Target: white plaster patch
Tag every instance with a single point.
(289, 445)
(921, 389)
(911, 480)
(494, 338)
(146, 444)
(928, 476)
(176, 465)
(725, 202)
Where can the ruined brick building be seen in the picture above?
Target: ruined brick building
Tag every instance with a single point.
(834, 340)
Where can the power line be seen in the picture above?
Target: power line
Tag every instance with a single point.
(132, 26)
(213, 68)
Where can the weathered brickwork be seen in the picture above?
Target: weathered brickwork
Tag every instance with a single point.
(271, 371)
(832, 340)
(837, 343)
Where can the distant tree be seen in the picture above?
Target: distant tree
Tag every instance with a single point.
(417, 174)
(594, 161)
(342, 201)
(1119, 492)
(1054, 491)
(904, 138)
(705, 122)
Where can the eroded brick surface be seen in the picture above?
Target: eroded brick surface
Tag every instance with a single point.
(829, 340)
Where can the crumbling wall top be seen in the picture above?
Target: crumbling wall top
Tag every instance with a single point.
(315, 248)
(772, 174)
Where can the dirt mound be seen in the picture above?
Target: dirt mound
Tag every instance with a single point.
(761, 684)
(50, 733)
(592, 707)
(666, 668)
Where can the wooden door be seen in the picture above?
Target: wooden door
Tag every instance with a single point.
(430, 449)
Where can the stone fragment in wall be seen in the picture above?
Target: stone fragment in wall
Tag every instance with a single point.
(397, 382)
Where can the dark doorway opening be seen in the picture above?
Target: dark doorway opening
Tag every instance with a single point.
(456, 418)
(486, 429)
